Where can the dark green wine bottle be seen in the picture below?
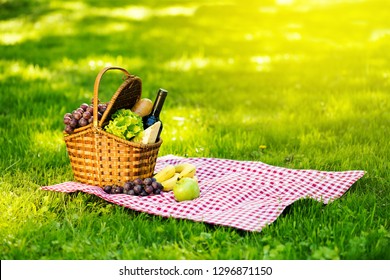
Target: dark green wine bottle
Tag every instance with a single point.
(154, 115)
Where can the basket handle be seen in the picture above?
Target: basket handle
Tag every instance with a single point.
(96, 90)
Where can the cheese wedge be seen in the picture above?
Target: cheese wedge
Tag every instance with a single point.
(149, 135)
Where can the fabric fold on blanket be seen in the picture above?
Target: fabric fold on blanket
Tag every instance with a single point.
(247, 195)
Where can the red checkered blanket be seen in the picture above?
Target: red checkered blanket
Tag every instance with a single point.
(247, 195)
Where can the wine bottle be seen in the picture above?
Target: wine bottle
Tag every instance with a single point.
(154, 115)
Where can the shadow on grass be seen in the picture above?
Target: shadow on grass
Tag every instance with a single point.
(16, 8)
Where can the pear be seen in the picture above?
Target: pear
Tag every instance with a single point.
(186, 189)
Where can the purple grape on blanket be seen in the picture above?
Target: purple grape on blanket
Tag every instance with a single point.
(107, 189)
(144, 193)
(130, 192)
(148, 181)
(148, 189)
(157, 191)
(128, 186)
(155, 185)
(138, 181)
(118, 189)
(138, 189)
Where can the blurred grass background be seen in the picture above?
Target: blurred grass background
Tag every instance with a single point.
(298, 84)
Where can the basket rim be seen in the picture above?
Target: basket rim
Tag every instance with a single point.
(129, 142)
(118, 139)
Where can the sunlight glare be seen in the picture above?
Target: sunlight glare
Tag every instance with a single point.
(284, 2)
(95, 63)
(268, 10)
(177, 11)
(293, 36)
(140, 13)
(249, 37)
(379, 34)
(98, 64)
(12, 32)
(10, 38)
(64, 22)
(262, 62)
(135, 13)
(287, 57)
(185, 64)
(48, 141)
(28, 72)
(198, 62)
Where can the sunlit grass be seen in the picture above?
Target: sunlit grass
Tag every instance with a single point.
(28, 72)
(64, 17)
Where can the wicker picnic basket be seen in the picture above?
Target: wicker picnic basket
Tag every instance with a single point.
(99, 158)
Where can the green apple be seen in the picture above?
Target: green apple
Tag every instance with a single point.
(186, 189)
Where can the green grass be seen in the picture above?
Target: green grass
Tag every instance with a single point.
(309, 81)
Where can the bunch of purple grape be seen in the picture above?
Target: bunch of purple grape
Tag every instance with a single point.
(145, 187)
(82, 116)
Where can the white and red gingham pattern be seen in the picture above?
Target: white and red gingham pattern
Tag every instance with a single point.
(246, 195)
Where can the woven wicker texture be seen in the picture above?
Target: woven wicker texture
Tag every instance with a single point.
(100, 158)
